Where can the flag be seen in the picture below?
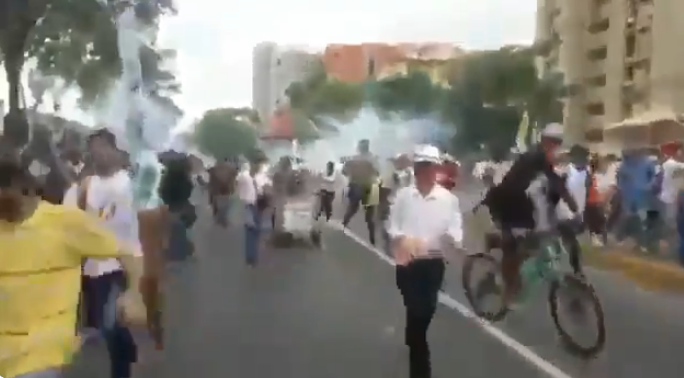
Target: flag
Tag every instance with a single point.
(521, 136)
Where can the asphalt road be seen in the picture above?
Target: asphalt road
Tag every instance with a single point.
(337, 313)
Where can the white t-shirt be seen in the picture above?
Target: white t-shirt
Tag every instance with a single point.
(332, 182)
(111, 199)
(249, 187)
(672, 169)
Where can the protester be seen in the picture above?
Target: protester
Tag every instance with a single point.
(330, 183)
(180, 273)
(672, 171)
(253, 187)
(40, 278)
(107, 194)
(362, 171)
(175, 190)
(636, 177)
(594, 214)
(221, 188)
(422, 215)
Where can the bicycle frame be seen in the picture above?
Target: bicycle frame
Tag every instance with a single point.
(543, 266)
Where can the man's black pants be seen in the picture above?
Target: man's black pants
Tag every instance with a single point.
(419, 284)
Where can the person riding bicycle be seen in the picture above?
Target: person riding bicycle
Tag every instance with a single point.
(514, 206)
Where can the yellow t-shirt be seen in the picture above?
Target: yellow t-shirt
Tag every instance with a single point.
(40, 278)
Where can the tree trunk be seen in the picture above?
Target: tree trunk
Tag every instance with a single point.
(15, 125)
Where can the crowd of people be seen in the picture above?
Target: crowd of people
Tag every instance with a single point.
(91, 263)
(629, 201)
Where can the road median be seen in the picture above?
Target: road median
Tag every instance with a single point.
(649, 272)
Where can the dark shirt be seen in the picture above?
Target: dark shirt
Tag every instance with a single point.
(525, 170)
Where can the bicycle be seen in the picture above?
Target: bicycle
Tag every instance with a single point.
(543, 265)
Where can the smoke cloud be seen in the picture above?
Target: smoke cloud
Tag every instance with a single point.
(388, 137)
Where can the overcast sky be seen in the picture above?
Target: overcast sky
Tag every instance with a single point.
(215, 38)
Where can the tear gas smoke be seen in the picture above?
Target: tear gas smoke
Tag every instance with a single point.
(388, 137)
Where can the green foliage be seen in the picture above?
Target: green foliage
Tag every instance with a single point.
(410, 95)
(76, 40)
(317, 95)
(304, 128)
(220, 135)
(490, 90)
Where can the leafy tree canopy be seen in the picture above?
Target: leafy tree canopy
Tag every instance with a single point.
(220, 135)
(76, 40)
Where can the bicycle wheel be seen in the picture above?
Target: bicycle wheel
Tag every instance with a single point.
(485, 286)
(589, 304)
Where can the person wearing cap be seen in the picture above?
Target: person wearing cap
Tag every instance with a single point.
(512, 206)
(424, 220)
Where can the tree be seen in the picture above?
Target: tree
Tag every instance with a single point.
(491, 91)
(409, 95)
(220, 135)
(77, 41)
(74, 40)
(317, 95)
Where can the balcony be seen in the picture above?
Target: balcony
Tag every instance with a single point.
(644, 46)
(595, 41)
(644, 18)
(594, 69)
(594, 95)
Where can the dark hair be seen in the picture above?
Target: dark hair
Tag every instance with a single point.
(175, 186)
(331, 167)
(103, 134)
(13, 173)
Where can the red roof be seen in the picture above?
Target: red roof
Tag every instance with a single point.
(281, 126)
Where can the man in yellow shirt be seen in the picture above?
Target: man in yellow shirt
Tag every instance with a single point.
(43, 246)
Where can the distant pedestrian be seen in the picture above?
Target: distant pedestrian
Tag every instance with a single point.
(253, 187)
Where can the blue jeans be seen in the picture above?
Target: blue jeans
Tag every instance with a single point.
(100, 295)
(252, 234)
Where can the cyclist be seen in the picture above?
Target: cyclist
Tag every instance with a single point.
(525, 199)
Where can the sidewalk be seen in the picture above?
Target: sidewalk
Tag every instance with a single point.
(649, 272)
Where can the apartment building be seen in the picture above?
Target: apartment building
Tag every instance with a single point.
(358, 63)
(263, 56)
(620, 59)
(275, 68)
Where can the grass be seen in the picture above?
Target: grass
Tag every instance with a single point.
(648, 272)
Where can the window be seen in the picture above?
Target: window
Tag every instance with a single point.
(599, 27)
(627, 109)
(595, 109)
(599, 53)
(630, 45)
(629, 73)
(597, 81)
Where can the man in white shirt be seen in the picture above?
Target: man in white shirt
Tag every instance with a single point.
(424, 217)
(108, 195)
(252, 187)
(673, 172)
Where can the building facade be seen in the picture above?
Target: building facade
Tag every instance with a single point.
(275, 68)
(620, 59)
(263, 56)
(358, 63)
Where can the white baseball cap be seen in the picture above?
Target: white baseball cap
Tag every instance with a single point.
(553, 130)
(427, 153)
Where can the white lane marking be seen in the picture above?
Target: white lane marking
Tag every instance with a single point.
(523, 351)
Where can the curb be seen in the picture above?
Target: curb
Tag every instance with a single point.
(649, 274)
